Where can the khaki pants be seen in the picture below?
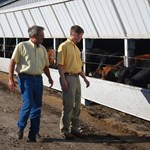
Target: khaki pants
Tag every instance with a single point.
(69, 121)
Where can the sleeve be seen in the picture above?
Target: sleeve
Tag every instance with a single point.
(61, 54)
(16, 53)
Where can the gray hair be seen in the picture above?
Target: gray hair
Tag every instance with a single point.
(34, 30)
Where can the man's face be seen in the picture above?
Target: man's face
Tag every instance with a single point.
(76, 37)
(39, 37)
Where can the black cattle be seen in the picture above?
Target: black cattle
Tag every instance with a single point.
(93, 58)
(138, 74)
(97, 58)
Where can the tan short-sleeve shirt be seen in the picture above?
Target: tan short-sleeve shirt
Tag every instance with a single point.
(69, 57)
(29, 58)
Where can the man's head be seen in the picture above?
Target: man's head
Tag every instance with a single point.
(36, 33)
(76, 33)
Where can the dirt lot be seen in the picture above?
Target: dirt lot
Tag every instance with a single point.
(105, 129)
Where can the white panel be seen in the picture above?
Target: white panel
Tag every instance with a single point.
(55, 75)
(144, 9)
(63, 17)
(26, 4)
(80, 16)
(38, 19)
(94, 11)
(137, 15)
(5, 26)
(2, 34)
(4, 65)
(22, 23)
(125, 98)
(113, 19)
(104, 18)
(101, 7)
(28, 18)
(99, 18)
(123, 16)
(128, 19)
(14, 25)
(52, 22)
(107, 16)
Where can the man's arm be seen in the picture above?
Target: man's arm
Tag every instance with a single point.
(47, 73)
(11, 82)
(85, 79)
(62, 79)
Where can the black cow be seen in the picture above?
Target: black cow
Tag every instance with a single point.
(93, 58)
(97, 58)
(138, 74)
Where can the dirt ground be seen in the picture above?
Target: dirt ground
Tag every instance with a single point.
(105, 128)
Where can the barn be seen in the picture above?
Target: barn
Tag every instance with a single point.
(111, 27)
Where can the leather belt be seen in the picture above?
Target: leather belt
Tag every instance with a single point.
(72, 74)
(29, 75)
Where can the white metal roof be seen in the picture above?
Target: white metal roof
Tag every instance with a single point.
(99, 18)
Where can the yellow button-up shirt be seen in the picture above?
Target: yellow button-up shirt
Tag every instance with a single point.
(29, 58)
(69, 57)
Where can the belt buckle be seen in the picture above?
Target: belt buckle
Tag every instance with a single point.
(71, 74)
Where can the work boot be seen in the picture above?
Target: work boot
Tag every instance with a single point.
(34, 137)
(68, 136)
(20, 134)
(78, 135)
(39, 138)
(31, 137)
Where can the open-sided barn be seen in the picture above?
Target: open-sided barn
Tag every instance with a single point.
(113, 28)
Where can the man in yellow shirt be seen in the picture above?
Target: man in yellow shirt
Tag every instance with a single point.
(31, 60)
(70, 67)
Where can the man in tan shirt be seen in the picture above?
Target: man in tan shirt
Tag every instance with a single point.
(70, 67)
(31, 60)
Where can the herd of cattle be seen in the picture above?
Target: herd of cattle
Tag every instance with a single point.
(137, 74)
(112, 68)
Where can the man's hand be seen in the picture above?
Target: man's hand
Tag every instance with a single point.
(51, 82)
(11, 85)
(87, 82)
(63, 84)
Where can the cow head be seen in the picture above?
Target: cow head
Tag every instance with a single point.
(51, 57)
(103, 71)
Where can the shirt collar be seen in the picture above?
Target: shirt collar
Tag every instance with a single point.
(32, 44)
(71, 41)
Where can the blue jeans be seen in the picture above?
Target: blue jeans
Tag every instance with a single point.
(31, 91)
